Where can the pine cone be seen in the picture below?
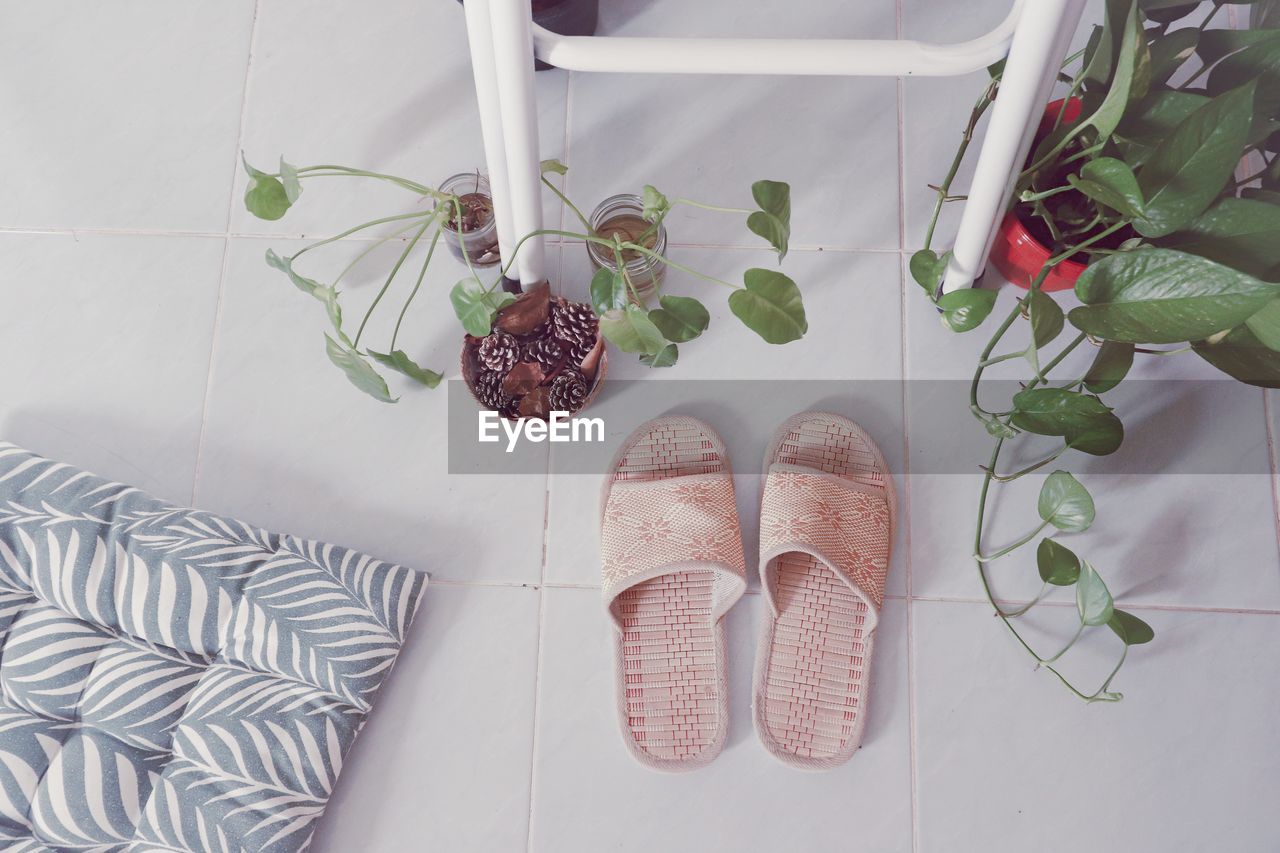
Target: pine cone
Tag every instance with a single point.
(575, 326)
(568, 391)
(546, 352)
(489, 390)
(499, 352)
(573, 320)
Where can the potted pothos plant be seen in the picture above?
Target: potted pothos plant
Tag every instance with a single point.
(1157, 174)
(529, 355)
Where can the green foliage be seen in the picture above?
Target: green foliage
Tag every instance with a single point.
(1058, 564)
(770, 305)
(1129, 628)
(399, 361)
(773, 220)
(1083, 420)
(1093, 599)
(1065, 503)
(265, 196)
(1109, 367)
(631, 330)
(681, 318)
(965, 309)
(475, 305)
(608, 290)
(1165, 296)
(360, 373)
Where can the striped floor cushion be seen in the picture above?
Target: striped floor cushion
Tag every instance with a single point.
(171, 679)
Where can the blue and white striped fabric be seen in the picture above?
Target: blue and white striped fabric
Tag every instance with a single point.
(173, 680)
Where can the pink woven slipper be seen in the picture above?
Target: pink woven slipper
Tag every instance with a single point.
(827, 512)
(673, 566)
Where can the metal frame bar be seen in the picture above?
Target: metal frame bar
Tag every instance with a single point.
(1032, 39)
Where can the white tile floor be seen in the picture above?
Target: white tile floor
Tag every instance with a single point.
(143, 338)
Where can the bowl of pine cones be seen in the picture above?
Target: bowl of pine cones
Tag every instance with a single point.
(543, 355)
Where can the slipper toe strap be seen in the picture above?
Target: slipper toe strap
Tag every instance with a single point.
(656, 527)
(842, 523)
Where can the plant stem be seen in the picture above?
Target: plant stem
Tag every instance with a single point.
(351, 231)
(1008, 478)
(1013, 614)
(1057, 259)
(1027, 196)
(564, 198)
(1068, 646)
(372, 247)
(1009, 549)
(712, 207)
(649, 253)
(422, 273)
(944, 188)
(334, 171)
(386, 284)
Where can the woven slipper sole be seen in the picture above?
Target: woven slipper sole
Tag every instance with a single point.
(812, 668)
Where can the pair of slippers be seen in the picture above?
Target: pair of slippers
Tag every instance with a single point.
(673, 566)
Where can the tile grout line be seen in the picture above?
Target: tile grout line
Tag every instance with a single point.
(226, 253)
(551, 239)
(542, 598)
(912, 772)
(1271, 460)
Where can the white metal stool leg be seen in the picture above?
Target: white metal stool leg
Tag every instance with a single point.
(1039, 45)
(511, 22)
(480, 40)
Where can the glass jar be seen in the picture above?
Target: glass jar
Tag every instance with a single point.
(479, 236)
(622, 215)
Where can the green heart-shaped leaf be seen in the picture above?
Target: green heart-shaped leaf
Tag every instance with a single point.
(1109, 367)
(1083, 420)
(1046, 317)
(1064, 503)
(1265, 325)
(399, 361)
(1241, 355)
(965, 309)
(1189, 167)
(655, 203)
(927, 268)
(1058, 564)
(773, 220)
(289, 180)
(552, 166)
(1129, 628)
(608, 290)
(770, 305)
(663, 358)
(358, 371)
(1147, 123)
(681, 318)
(1111, 182)
(1258, 63)
(1165, 296)
(1243, 233)
(1093, 599)
(266, 198)
(476, 306)
(631, 330)
(1131, 64)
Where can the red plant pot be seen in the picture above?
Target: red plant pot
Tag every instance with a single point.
(1016, 253)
